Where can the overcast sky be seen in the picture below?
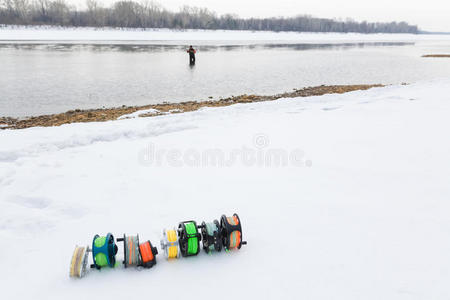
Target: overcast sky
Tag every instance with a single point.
(432, 15)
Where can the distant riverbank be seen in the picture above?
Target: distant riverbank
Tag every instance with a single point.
(437, 55)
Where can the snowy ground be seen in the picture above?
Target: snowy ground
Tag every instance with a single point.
(49, 33)
(359, 210)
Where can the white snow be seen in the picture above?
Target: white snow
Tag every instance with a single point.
(175, 110)
(49, 33)
(136, 114)
(360, 210)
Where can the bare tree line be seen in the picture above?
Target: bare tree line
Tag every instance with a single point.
(147, 14)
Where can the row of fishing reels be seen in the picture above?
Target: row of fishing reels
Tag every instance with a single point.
(184, 241)
(104, 250)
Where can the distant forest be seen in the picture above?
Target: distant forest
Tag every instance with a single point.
(147, 14)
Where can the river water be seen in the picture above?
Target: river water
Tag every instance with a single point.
(42, 78)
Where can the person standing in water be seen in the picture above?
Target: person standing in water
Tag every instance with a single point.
(191, 52)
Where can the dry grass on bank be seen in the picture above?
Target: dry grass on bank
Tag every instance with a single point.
(107, 114)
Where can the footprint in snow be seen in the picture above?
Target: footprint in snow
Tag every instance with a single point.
(296, 111)
(30, 202)
(331, 108)
(73, 212)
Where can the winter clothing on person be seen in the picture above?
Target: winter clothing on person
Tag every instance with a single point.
(191, 52)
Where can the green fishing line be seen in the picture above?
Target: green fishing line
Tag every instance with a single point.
(191, 231)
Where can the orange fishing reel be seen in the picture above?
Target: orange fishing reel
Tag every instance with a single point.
(231, 232)
(148, 254)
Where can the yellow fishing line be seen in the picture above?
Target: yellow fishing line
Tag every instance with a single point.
(172, 238)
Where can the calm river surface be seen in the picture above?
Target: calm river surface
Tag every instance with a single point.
(42, 78)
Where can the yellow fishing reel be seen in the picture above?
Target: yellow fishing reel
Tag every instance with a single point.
(169, 243)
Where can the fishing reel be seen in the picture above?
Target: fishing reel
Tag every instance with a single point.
(211, 238)
(189, 238)
(148, 254)
(231, 232)
(131, 255)
(104, 251)
(79, 262)
(169, 243)
(137, 254)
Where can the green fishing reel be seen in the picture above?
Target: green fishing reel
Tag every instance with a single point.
(211, 238)
(104, 251)
(189, 238)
